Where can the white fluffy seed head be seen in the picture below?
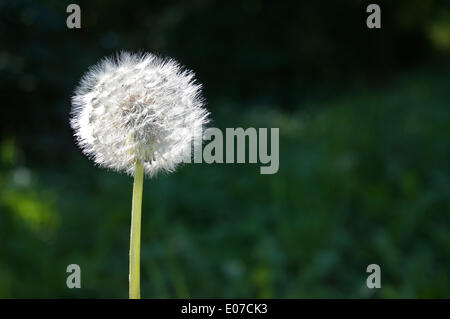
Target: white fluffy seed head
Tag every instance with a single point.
(138, 107)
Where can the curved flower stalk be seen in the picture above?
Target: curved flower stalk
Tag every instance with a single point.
(138, 114)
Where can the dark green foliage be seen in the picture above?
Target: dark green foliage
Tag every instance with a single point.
(365, 180)
(364, 157)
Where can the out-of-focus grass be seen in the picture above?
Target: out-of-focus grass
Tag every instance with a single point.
(364, 179)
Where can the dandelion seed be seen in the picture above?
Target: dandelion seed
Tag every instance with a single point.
(138, 107)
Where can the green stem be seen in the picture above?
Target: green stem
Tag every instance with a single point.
(135, 236)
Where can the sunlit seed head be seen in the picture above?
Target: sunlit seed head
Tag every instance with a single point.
(138, 107)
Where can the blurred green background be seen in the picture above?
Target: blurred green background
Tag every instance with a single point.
(364, 173)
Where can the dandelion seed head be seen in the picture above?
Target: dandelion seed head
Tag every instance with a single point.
(138, 107)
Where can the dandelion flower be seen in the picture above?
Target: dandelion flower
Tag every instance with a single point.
(138, 114)
(138, 107)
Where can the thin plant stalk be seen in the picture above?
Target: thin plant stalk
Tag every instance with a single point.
(135, 236)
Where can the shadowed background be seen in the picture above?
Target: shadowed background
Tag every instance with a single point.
(364, 173)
